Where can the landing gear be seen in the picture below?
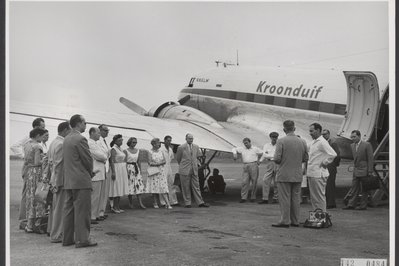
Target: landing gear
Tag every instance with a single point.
(204, 170)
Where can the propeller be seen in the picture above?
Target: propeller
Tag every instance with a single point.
(133, 106)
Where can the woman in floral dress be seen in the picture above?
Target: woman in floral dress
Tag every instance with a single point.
(136, 184)
(157, 184)
(119, 182)
(32, 173)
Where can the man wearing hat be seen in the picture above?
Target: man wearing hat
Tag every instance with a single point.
(270, 175)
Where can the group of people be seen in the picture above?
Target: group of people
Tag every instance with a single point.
(291, 163)
(83, 175)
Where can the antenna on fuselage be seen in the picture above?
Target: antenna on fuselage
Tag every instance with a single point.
(237, 57)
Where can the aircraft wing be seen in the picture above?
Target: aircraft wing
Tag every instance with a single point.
(129, 125)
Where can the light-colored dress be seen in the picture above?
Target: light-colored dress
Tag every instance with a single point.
(33, 175)
(136, 184)
(119, 187)
(157, 183)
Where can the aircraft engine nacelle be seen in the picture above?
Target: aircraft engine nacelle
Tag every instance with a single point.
(172, 110)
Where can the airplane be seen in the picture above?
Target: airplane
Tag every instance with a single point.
(223, 105)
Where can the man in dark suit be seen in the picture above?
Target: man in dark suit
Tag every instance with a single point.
(332, 170)
(78, 171)
(290, 153)
(363, 166)
(186, 157)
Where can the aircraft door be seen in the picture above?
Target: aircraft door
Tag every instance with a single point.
(362, 104)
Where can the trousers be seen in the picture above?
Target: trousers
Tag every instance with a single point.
(76, 216)
(249, 180)
(190, 184)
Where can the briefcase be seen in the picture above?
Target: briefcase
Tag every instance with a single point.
(370, 182)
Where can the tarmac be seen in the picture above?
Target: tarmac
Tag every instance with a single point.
(227, 233)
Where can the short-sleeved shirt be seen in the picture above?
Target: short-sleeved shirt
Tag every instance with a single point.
(248, 155)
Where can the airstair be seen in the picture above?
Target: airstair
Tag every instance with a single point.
(369, 113)
(381, 169)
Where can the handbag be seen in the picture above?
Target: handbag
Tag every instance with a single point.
(41, 193)
(318, 219)
(153, 170)
(370, 182)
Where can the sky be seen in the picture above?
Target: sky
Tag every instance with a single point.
(88, 54)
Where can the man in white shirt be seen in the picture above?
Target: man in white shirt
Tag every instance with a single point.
(44, 142)
(320, 155)
(168, 154)
(250, 157)
(100, 157)
(105, 189)
(271, 167)
(17, 149)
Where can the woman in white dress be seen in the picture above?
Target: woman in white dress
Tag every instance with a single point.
(119, 179)
(136, 184)
(157, 183)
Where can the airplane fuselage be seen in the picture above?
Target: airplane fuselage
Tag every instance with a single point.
(262, 98)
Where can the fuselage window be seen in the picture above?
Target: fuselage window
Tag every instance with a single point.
(302, 104)
(290, 103)
(314, 106)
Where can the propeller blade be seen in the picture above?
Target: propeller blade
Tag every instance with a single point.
(132, 106)
(183, 100)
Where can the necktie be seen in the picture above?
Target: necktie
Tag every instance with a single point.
(191, 149)
(105, 143)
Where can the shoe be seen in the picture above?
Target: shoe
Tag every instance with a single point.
(263, 202)
(243, 200)
(175, 204)
(332, 207)
(102, 218)
(168, 207)
(156, 206)
(252, 200)
(115, 210)
(68, 244)
(275, 201)
(121, 211)
(28, 230)
(56, 241)
(93, 221)
(105, 216)
(142, 207)
(203, 205)
(294, 225)
(361, 208)
(348, 208)
(87, 244)
(281, 225)
(187, 206)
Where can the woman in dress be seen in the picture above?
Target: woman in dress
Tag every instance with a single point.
(32, 173)
(157, 183)
(119, 179)
(136, 184)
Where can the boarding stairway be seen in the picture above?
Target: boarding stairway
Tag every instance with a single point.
(381, 170)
